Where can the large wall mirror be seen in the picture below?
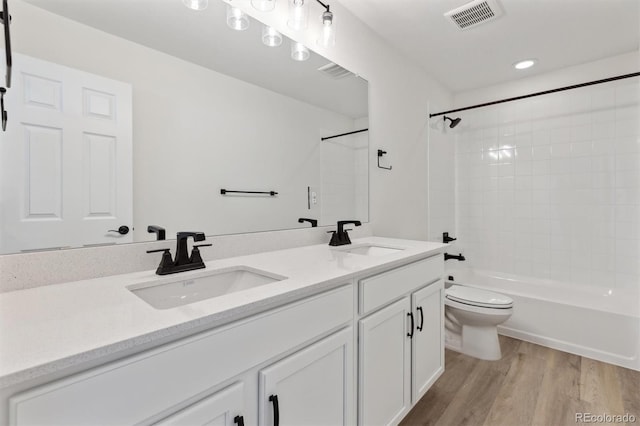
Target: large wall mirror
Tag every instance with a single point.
(131, 113)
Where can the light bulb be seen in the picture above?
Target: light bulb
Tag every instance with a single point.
(328, 34)
(271, 37)
(237, 19)
(298, 15)
(196, 4)
(299, 52)
(523, 65)
(263, 5)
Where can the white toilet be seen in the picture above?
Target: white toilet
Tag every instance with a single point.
(472, 317)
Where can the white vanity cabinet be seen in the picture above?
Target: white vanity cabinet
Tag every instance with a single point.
(400, 339)
(363, 352)
(223, 408)
(313, 386)
(427, 344)
(384, 359)
(183, 380)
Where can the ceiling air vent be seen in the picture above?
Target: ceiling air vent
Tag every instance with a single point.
(474, 13)
(335, 71)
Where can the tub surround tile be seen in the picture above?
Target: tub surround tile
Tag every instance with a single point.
(573, 176)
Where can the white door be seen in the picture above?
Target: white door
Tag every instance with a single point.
(223, 408)
(65, 159)
(384, 361)
(427, 350)
(311, 387)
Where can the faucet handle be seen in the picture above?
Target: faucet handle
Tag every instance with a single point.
(166, 261)
(195, 254)
(158, 250)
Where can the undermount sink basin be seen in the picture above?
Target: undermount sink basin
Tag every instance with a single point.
(204, 285)
(371, 250)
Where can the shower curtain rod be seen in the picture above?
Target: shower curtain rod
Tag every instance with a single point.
(344, 134)
(546, 92)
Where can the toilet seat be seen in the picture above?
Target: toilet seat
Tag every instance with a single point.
(477, 297)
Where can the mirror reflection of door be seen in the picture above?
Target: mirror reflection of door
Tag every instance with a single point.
(65, 159)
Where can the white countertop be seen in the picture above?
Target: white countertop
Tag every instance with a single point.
(47, 329)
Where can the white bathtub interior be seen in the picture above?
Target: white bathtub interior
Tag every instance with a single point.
(598, 323)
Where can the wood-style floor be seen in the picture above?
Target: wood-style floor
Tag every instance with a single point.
(530, 385)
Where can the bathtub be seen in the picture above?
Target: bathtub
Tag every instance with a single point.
(595, 322)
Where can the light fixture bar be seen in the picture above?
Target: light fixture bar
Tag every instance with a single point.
(326, 6)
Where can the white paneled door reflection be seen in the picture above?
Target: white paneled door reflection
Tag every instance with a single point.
(65, 159)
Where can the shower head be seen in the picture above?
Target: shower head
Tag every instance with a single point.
(454, 121)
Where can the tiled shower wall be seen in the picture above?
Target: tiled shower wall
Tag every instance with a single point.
(344, 191)
(549, 187)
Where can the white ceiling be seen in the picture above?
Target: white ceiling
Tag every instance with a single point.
(559, 33)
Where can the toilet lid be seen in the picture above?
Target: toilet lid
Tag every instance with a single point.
(478, 297)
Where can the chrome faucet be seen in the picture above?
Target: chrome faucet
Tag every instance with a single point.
(184, 261)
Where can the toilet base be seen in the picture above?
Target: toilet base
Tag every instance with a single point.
(478, 342)
(481, 342)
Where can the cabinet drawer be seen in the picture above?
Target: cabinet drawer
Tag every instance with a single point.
(381, 289)
(144, 385)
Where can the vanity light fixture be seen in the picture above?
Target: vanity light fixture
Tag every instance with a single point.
(328, 36)
(299, 52)
(263, 5)
(237, 19)
(271, 37)
(298, 15)
(196, 4)
(523, 65)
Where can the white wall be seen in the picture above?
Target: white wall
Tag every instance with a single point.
(549, 187)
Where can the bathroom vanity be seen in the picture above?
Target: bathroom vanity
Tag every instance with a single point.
(347, 335)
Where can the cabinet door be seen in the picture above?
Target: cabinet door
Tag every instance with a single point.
(427, 357)
(223, 408)
(311, 387)
(384, 357)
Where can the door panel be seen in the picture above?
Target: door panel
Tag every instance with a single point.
(384, 360)
(219, 409)
(65, 160)
(313, 386)
(427, 360)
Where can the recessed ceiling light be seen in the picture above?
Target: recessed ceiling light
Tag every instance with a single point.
(527, 63)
